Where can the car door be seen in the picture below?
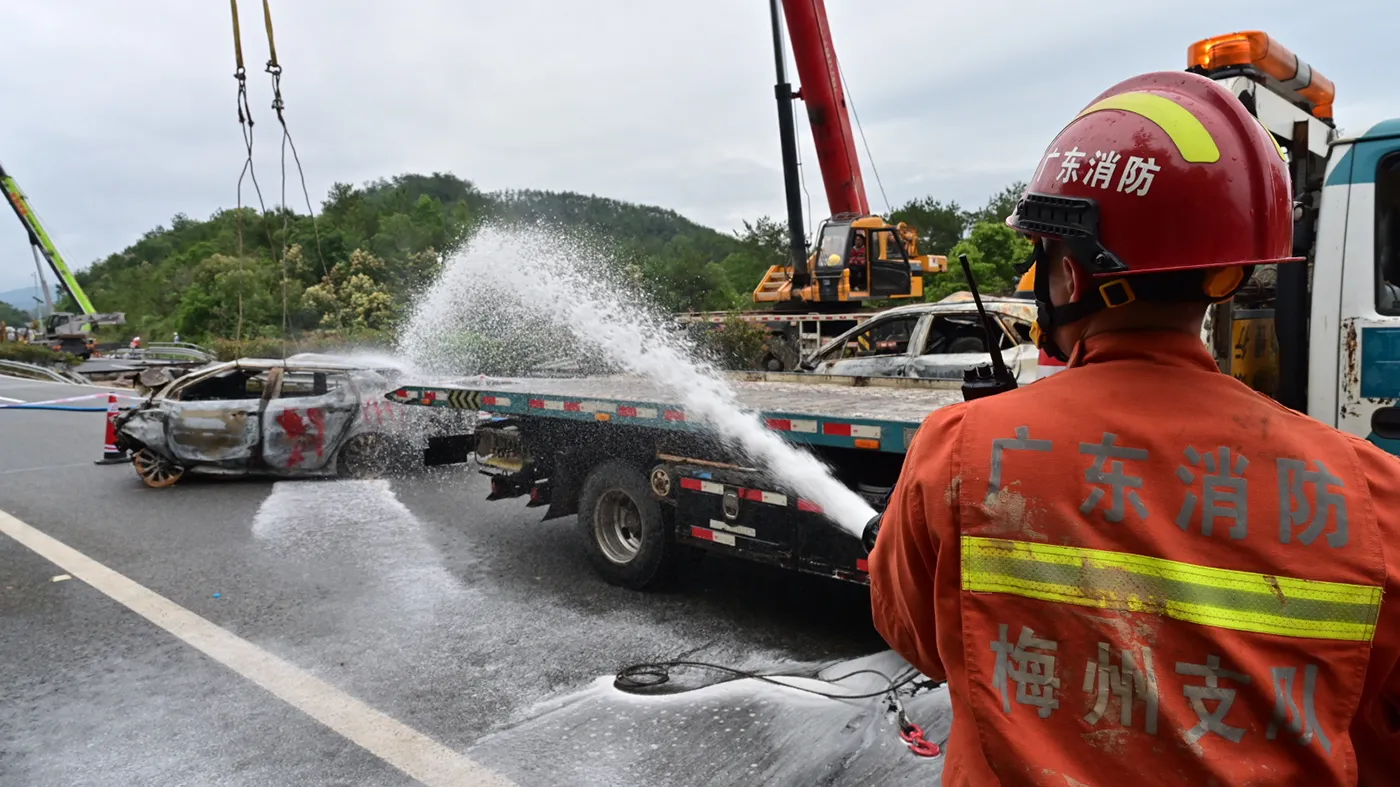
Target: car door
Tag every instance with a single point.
(880, 347)
(307, 418)
(955, 342)
(215, 421)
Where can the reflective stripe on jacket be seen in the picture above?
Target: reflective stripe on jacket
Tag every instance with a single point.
(1140, 566)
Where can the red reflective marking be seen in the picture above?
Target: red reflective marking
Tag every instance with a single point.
(780, 424)
(700, 532)
(429, 397)
(626, 412)
(863, 565)
(488, 400)
(537, 404)
(840, 430)
(674, 415)
(807, 505)
(690, 483)
(751, 494)
(573, 407)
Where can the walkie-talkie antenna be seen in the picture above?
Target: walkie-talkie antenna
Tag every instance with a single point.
(976, 382)
(998, 364)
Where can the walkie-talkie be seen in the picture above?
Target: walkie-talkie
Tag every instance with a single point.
(986, 379)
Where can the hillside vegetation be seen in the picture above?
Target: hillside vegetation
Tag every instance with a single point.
(352, 273)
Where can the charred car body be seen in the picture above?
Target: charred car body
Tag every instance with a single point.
(296, 418)
(932, 341)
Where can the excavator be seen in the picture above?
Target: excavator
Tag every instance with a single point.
(63, 331)
(859, 256)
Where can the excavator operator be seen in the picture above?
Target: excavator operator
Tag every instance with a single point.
(858, 263)
(1138, 570)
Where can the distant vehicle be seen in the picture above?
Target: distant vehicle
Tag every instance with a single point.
(931, 341)
(294, 418)
(65, 331)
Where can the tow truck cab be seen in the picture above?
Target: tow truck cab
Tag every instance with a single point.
(1323, 336)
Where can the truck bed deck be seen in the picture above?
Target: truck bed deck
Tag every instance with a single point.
(849, 412)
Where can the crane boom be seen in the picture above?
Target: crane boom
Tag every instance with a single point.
(858, 256)
(821, 91)
(40, 240)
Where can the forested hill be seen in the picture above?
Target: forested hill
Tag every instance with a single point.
(353, 269)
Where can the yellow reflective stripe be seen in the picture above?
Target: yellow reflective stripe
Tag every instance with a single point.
(1237, 600)
(1191, 138)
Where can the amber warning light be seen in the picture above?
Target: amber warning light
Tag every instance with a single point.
(1259, 51)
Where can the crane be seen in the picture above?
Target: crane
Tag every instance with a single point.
(859, 255)
(64, 330)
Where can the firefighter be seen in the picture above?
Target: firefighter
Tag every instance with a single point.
(1139, 568)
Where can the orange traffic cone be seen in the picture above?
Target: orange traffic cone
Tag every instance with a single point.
(1048, 366)
(110, 454)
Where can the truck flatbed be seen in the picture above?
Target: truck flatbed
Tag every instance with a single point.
(843, 412)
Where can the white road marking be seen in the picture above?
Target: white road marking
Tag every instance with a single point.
(45, 469)
(8, 399)
(395, 743)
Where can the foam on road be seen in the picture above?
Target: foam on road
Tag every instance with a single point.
(397, 744)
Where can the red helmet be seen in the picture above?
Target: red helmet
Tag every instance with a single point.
(1162, 171)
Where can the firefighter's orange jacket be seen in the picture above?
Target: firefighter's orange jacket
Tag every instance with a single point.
(1140, 571)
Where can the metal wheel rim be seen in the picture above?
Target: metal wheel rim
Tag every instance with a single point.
(154, 469)
(617, 526)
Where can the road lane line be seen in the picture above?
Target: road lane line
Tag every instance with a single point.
(395, 743)
(49, 468)
(8, 399)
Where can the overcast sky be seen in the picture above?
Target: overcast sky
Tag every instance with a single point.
(119, 115)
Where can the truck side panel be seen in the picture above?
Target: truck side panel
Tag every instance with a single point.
(1325, 348)
(1368, 383)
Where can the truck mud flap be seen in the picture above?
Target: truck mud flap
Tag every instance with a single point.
(449, 450)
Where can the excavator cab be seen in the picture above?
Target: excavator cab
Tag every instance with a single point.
(865, 258)
(857, 258)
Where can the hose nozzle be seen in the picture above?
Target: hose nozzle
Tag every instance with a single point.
(872, 529)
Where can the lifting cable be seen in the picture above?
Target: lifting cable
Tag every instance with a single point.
(274, 68)
(245, 123)
(245, 120)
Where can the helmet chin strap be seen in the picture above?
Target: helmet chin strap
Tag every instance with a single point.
(1217, 287)
(1110, 295)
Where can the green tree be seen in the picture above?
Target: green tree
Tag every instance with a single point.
(993, 251)
(1001, 205)
(12, 316)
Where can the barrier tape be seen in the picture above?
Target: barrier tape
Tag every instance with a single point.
(49, 404)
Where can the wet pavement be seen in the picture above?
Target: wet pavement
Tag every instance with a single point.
(473, 623)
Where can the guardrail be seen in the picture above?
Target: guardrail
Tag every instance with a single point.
(36, 372)
(164, 351)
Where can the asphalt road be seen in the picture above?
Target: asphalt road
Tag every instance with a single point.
(471, 624)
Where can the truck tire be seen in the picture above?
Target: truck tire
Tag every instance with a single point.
(623, 529)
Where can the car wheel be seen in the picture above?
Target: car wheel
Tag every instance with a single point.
(625, 533)
(155, 470)
(366, 456)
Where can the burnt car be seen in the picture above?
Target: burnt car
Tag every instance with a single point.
(932, 341)
(307, 416)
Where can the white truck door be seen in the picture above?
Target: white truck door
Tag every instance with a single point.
(1357, 314)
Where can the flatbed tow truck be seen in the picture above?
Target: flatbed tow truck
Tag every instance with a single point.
(644, 477)
(1322, 337)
